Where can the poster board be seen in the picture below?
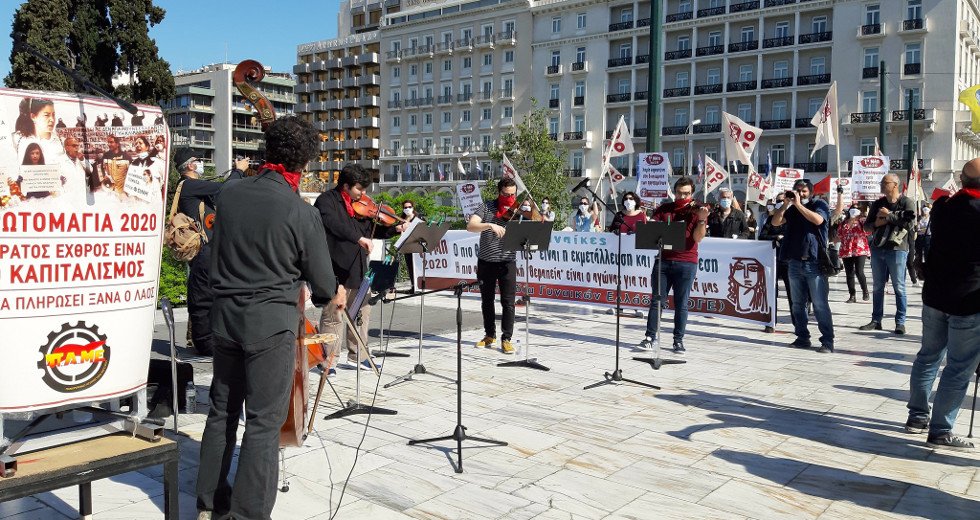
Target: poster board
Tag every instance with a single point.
(866, 174)
(653, 177)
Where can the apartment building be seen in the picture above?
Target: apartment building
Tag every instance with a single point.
(455, 77)
(209, 114)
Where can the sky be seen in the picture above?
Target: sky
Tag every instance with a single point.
(200, 32)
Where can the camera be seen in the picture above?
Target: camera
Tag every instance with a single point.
(790, 194)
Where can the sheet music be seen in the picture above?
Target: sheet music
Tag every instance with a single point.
(408, 231)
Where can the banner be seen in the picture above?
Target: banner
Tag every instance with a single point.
(468, 195)
(843, 182)
(785, 178)
(735, 278)
(652, 177)
(80, 256)
(758, 189)
(866, 174)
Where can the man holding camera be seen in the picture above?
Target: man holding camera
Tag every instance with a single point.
(890, 220)
(807, 220)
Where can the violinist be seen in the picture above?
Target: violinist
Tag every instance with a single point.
(349, 238)
(260, 261)
(495, 266)
(679, 266)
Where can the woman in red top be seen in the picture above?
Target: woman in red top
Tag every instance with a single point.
(854, 250)
(631, 215)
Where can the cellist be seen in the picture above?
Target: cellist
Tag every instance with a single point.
(259, 261)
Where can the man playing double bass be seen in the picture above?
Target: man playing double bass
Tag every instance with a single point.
(259, 261)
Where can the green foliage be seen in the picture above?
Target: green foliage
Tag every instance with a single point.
(44, 24)
(539, 160)
(90, 43)
(173, 279)
(425, 205)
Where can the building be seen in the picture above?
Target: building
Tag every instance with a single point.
(338, 90)
(208, 113)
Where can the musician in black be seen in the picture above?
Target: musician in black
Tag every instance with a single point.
(260, 261)
(349, 239)
(495, 266)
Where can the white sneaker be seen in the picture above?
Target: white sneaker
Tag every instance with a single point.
(638, 313)
(646, 344)
(364, 365)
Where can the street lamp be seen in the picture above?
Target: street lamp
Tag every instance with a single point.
(690, 129)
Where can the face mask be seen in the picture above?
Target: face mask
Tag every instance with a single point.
(545, 206)
(725, 203)
(682, 201)
(409, 211)
(142, 155)
(770, 207)
(630, 205)
(506, 201)
(854, 212)
(804, 201)
(199, 168)
(526, 207)
(779, 204)
(584, 208)
(925, 211)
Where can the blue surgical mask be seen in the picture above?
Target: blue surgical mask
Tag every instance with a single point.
(725, 203)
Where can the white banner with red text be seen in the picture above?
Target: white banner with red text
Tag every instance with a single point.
(79, 257)
(735, 278)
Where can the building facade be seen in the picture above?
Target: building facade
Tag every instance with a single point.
(209, 114)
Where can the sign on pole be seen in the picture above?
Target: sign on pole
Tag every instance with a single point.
(652, 177)
(786, 177)
(468, 194)
(866, 174)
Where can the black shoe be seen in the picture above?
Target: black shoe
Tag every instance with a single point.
(801, 343)
(874, 325)
(852, 299)
(769, 330)
(900, 329)
(949, 441)
(826, 349)
(865, 297)
(679, 348)
(917, 425)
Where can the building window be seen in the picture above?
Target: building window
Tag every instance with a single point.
(913, 53)
(579, 89)
(711, 115)
(428, 68)
(624, 86)
(487, 87)
(554, 91)
(447, 38)
(555, 58)
(626, 50)
(508, 111)
(914, 10)
(466, 116)
(413, 70)
(488, 31)
(626, 14)
(869, 101)
(580, 55)
(748, 34)
(579, 124)
(509, 27)
(780, 69)
(488, 60)
(485, 115)
(413, 43)
(447, 65)
(467, 62)
(556, 25)
(680, 117)
(413, 120)
(867, 146)
(466, 34)
(905, 145)
(508, 56)
(679, 157)
(447, 118)
(683, 79)
(819, 24)
(714, 38)
(711, 152)
(396, 122)
(916, 97)
(580, 21)
(684, 6)
(779, 110)
(745, 72)
(713, 76)
(396, 72)
(683, 43)
(396, 46)
(782, 30)
(813, 105)
(576, 161)
(818, 65)
(745, 112)
(871, 57)
(447, 90)
(778, 154)
(872, 14)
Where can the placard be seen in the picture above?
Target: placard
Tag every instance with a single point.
(844, 182)
(785, 178)
(469, 197)
(866, 174)
(653, 177)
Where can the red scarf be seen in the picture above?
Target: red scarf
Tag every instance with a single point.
(504, 204)
(348, 205)
(973, 193)
(292, 178)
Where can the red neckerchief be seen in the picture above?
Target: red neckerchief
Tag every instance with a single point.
(292, 178)
(502, 209)
(348, 205)
(973, 193)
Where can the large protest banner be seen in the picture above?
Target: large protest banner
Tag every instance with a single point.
(735, 278)
(866, 174)
(82, 187)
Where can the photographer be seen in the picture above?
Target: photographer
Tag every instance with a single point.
(890, 220)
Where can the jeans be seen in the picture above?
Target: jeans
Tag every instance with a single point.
(854, 267)
(259, 375)
(330, 324)
(492, 274)
(805, 278)
(958, 338)
(680, 277)
(887, 263)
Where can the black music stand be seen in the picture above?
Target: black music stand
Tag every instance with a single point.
(526, 237)
(420, 239)
(384, 280)
(660, 236)
(973, 411)
(459, 433)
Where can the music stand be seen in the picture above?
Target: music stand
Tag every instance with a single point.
(660, 236)
(526, 237)
(419, 239)
(384, 280)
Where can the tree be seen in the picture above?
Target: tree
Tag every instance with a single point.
(43, 24)
(99, 38)
(539, 160)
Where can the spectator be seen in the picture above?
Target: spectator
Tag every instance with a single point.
(625, 221)
(753, 225)
(923, 235)
(775, 235)
(806, 221)
(547, 213)
(586, 217)
(890, 219)
(854, 250)
(409, 214)
(950, 315)
(727, 221)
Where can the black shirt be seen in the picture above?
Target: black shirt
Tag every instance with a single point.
(259, 259)
(491, 246)
(801, 237)
(952, 271)
(195, 191)
(902, 216)
(343, 231)
(725, 227)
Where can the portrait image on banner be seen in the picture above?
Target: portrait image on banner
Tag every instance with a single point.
(866, 174)
(81, 215)
(653, 177)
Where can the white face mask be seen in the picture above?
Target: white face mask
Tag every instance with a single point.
(854, 212)
(779, 204)
(925, 211)
(584, 208)
(199, 167)
(409, 211)
(545, 206)
(770, 207)
(804, 201)
(630, 205)
(526, 207)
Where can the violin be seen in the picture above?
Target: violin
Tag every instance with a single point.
(367, 208)
(533, 214)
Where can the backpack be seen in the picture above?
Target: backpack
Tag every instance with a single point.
(182, 234)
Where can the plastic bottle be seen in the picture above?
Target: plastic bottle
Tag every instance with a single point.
(190, 398)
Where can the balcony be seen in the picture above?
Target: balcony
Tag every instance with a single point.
(813, 79)
(714, 88)
(621, 26)
(641, 95)
(484, 41)
(553, 103)
(642, 58)
(744, 6)
(573, 172)
(484, 96)
(776, 124)
(673, 130)
(553, 136)
(675, 92)
(444, 47)
(869, 73)
(393, 56)
(507, 93)
(573, 136)
(680, 17)
(578, 101)
(743, 46)
(445, 99)
(915, 24)
(643, 22)
(710, 50)
(819, 37)
(865, 117)
(811, 166)
(394, 104)
(739, 86)
(870, 29)
(707, 128)
(777, 83)
(912, 69)
(639, 132)
(465, 44)
(465, 97)
(619, 98)
(507, 38)
(918, 114)
(713, 11)
(620, 62)
(580, 67)
(673, 55)
(803, 123)
(777, 3)
(782, 41)
(552, 70)
(903, 164)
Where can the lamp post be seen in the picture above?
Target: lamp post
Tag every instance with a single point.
(690, 130)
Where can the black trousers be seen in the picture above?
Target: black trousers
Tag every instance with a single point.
(199, 300)
(259, 375)
(492, 274)
(782, 273)
(410, 266)
(854, 267)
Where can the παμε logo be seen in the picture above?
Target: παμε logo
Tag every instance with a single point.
(74, 358)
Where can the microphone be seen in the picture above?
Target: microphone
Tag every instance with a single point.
(584, 183)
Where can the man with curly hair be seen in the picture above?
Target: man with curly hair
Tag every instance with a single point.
(267, 244)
